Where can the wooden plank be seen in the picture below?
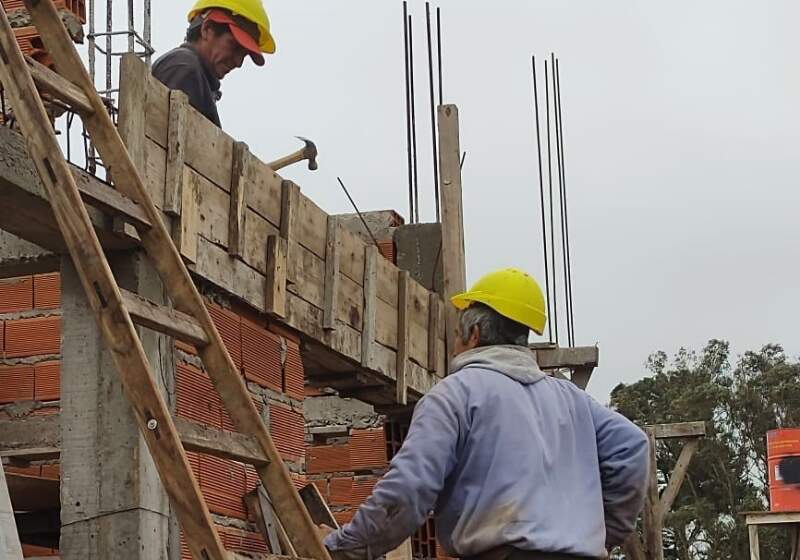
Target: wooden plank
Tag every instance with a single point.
(113, 203)
(63, 90)
(677, 476)
(226, 445)
(330, 306)
(186, 228)
(275, 281)
(164, 319)
(30, 454)
(771, 517)
(453, 265)
(651, 517)
(755, 548)
(176, 152)
(126, 348)
(370, 305)
(312, 224)
(679, 430)
(264, 524)
(402, 337)
(10, 546)
(238, 207)
(290, 200)
(316, 506)
(133, 99)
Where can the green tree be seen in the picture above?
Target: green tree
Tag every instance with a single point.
(727, 475)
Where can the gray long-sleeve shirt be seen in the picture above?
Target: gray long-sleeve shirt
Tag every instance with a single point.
(505, 455)
(184, 70)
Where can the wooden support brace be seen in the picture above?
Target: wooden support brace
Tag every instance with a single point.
(678, 474)
(164, 319)
(316, 506)
(265, 519)
(238, 210)
(370, 304)
(186, 229)
(402, 337)
(290, 202)
(331, 275)
(227, 445)
(755, 547)
(176, 152)
(276, 276)
(434, 309)
(678, 430)
(60, 88)
(652, 520)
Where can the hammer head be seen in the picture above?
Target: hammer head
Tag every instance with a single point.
(310, 153)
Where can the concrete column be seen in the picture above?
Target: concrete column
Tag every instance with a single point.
(113, 505)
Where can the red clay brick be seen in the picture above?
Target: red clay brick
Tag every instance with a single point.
(322, 485)
(2, 337)
(33, 337)
(47, 381)
(368, 449)
(362, 488)
(287, 428)
(52, 472)
(343, 517)
(16, 294)
(47, 291)
(299, 481)
(16, 384)
(229, 325)
(223, 484)
(341, 493)
(196, 398)
(328, 459)
(32, 551)
(294, 374)
(261, 356)
(242, 541)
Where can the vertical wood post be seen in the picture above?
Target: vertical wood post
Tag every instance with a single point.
(652, 518)
(452, 213)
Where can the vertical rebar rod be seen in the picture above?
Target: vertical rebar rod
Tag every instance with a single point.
(109, 43)
(434, 141)
(550, 182)
(566, 207)
(131, 24)
(557, 120)
(541, 201)
(413, 119)
(92, 44)
(408, 116)
(147, 31)
(439, 49)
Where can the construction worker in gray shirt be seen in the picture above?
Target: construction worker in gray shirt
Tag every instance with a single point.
(221, 34)
(515, 464)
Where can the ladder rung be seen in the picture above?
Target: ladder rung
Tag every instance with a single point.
(112, 201)
(164, 319)
(59, 87)
(226, 445)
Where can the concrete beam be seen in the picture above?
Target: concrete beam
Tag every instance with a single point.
(419, 251)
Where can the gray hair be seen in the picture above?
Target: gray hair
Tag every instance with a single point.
(494, 328)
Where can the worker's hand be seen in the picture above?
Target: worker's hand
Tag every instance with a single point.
(323, 531)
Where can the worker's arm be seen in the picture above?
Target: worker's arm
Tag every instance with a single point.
(624, 466)
(404, 497)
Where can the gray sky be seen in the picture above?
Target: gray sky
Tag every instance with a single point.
(681, 135)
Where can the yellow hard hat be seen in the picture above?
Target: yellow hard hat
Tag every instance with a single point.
(252, 10)
(512, 293)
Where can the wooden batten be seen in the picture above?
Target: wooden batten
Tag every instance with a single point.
(434, 330)
(402, 336)
(238, 209)
(290, 200)
(330, 305)
(176, 152)
(185, 229)
(370, 305)
(275, 282)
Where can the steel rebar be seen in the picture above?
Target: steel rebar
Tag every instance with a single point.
(131, 25)
(541, 200)
(363, 221)
(109, 40)
(147, 31)
(439, 49)
(408, 117)
(566, 208)
(434, 141)
(413, 118)
(550, 182)
(557, 120)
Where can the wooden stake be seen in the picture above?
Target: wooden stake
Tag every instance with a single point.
(402, 337)
(434, 327)
(238, 210)
(176, 150)
(331, 275)
(275, 291)
(370, 286)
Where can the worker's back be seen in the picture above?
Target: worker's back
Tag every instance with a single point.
(508, 456)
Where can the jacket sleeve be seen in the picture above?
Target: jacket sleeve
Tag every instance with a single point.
(404, 497)
(623, 451)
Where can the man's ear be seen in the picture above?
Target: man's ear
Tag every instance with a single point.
(474, 336)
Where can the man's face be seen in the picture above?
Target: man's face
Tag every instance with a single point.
(222, 53)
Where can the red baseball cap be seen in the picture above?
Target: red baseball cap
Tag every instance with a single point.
(244, 31)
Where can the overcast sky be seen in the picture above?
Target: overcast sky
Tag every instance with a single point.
(681, 138)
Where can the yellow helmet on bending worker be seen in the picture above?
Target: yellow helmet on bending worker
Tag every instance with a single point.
(252, 10)
(512, 293)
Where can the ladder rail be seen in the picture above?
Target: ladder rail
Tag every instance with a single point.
(103, 294)
(159, 246)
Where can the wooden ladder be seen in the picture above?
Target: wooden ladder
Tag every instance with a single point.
(115, 310)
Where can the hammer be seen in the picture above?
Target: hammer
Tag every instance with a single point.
(309, 152)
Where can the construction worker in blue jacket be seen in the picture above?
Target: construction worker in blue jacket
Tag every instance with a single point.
(515, 464)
